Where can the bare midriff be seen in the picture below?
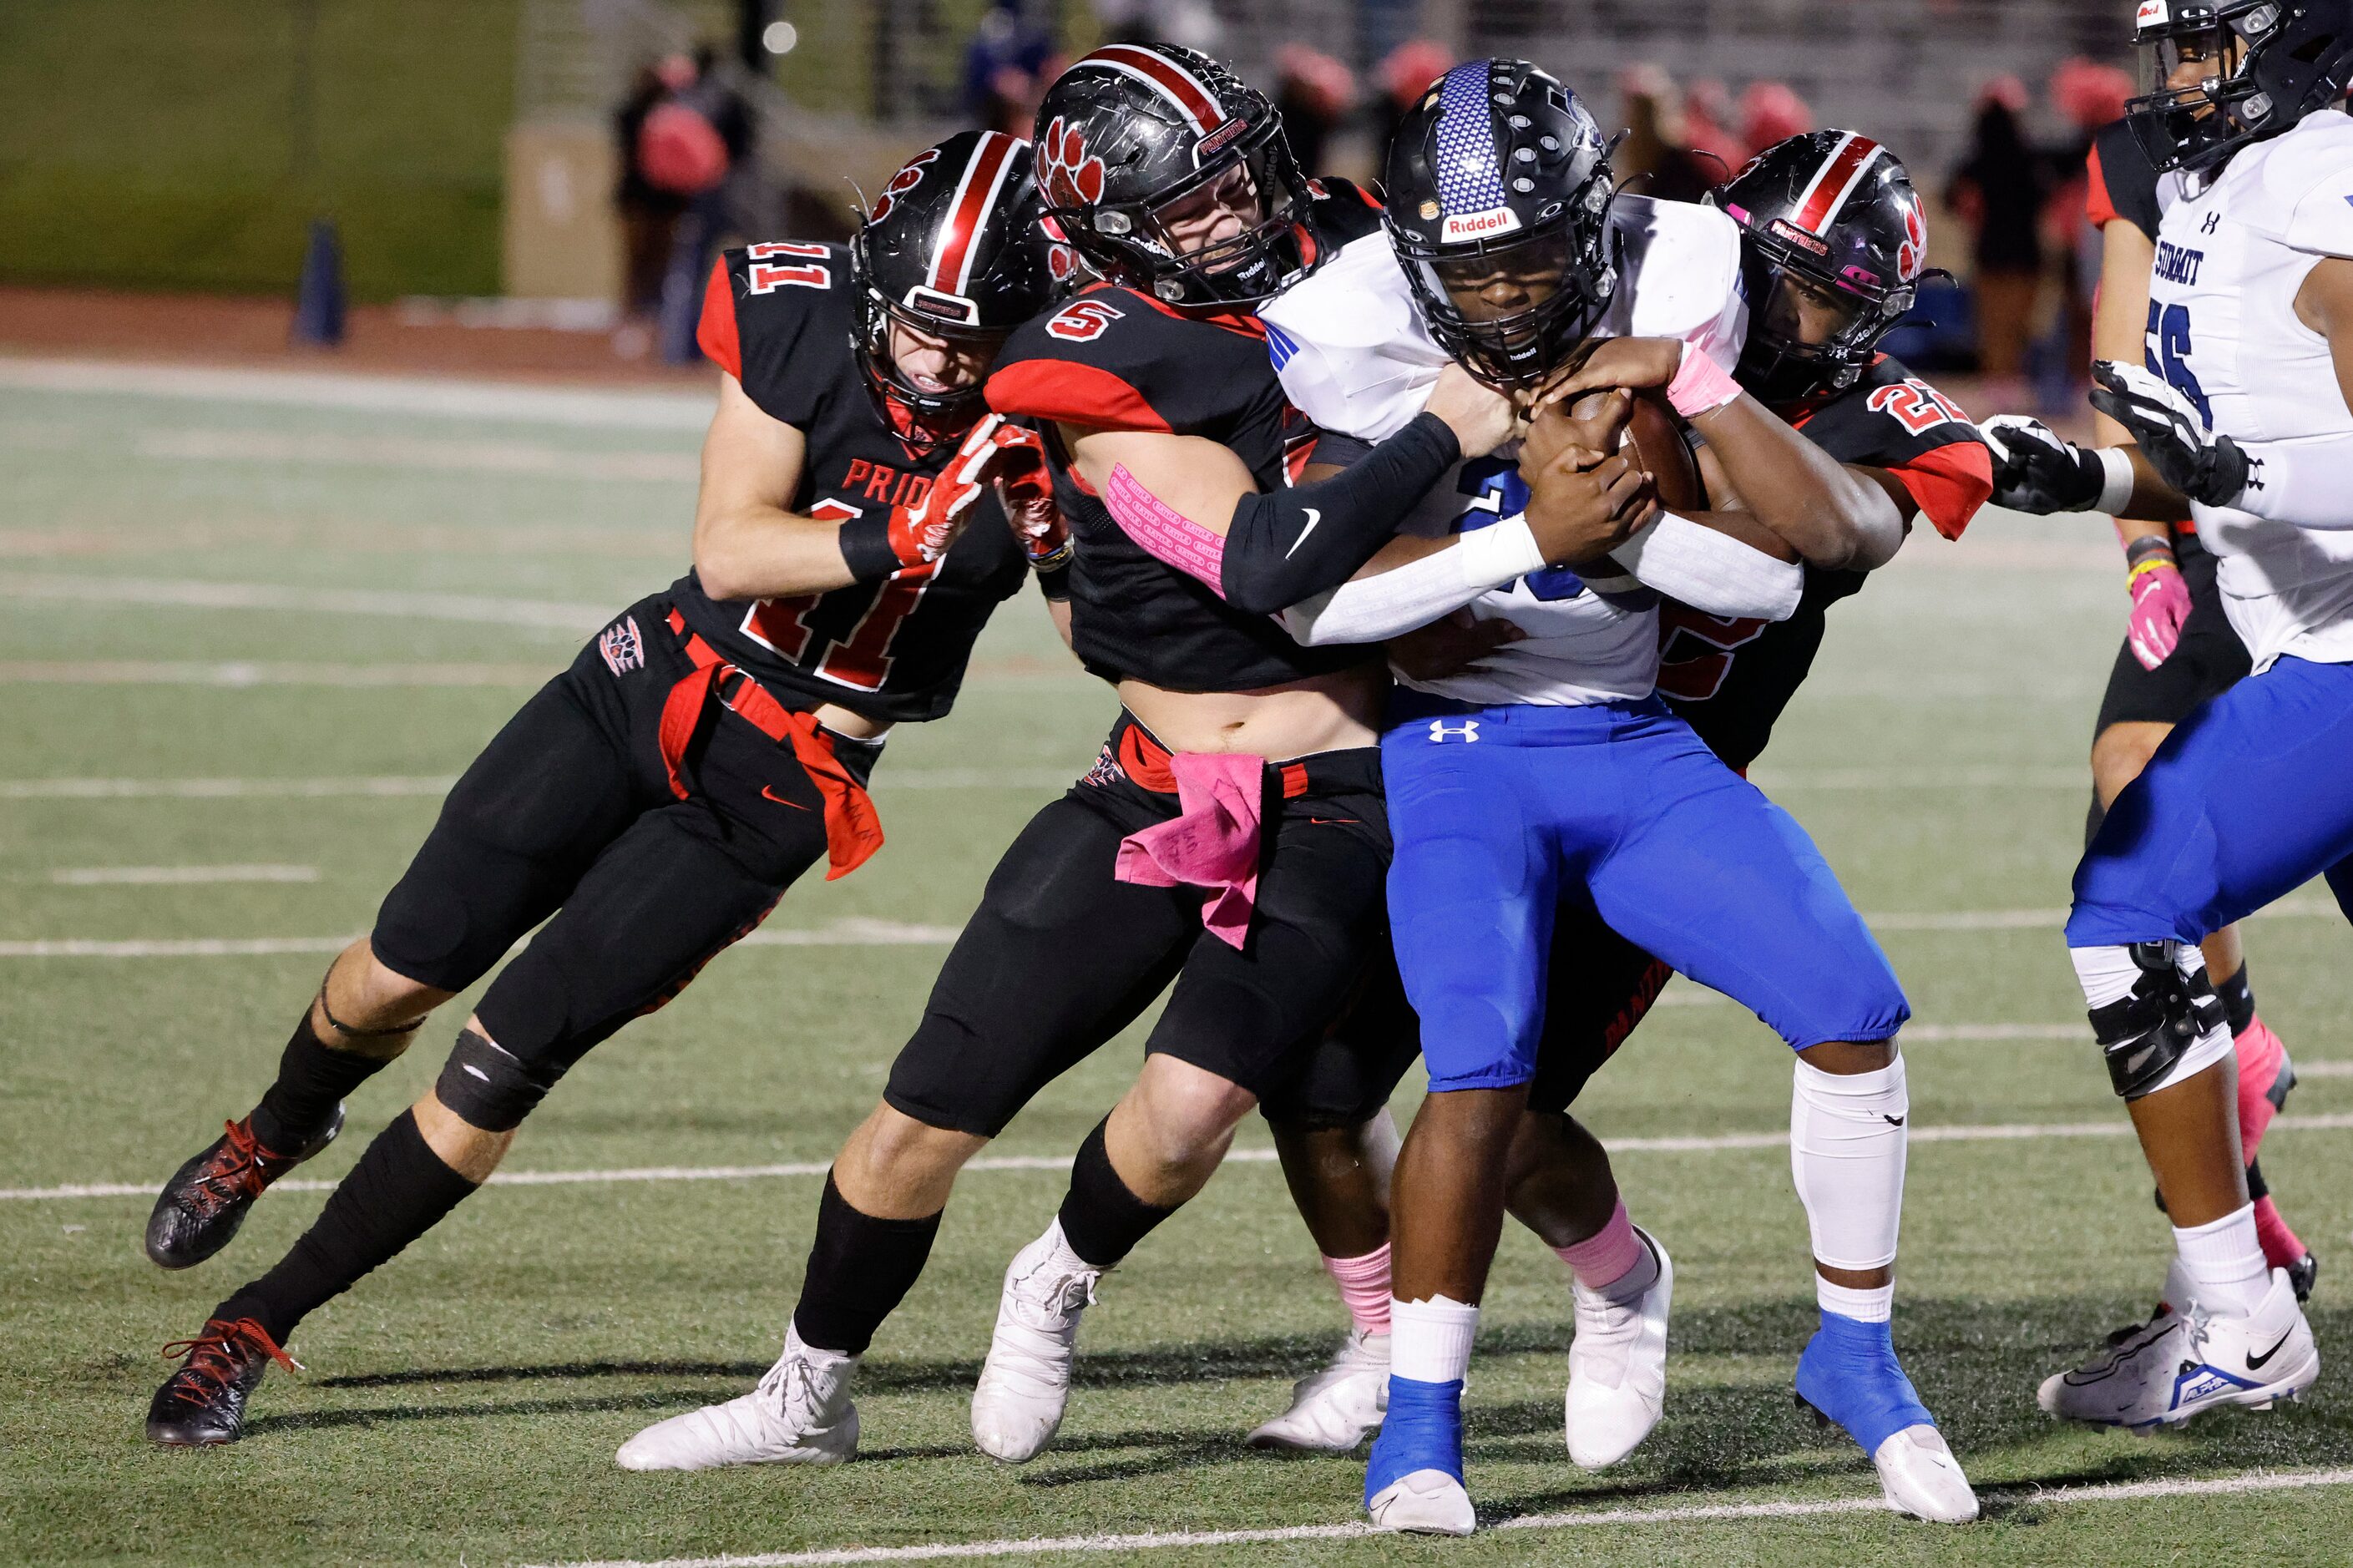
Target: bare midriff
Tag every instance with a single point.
(1331, 713)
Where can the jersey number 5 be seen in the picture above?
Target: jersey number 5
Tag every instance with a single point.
(2169, 355)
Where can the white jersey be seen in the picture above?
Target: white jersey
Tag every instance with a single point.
(2223, 330)
(1354, 358)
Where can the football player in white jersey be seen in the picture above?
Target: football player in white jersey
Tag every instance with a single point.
(1552, 771)
(2243, 421)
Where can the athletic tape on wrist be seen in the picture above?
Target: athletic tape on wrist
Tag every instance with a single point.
(2116, 482)
(1701, 386)
(866, 548)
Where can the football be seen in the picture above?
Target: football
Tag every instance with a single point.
(1659, 442)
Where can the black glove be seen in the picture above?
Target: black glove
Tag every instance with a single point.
(2203, 467)
(2035, 471)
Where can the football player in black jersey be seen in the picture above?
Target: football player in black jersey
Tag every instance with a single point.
(711, 744)
(2179, 649)
(1232, 838)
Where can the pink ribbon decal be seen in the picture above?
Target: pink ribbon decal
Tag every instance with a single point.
(1212, 843)
(1163, 532)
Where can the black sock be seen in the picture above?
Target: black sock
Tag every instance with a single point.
(398, 1191)
(1101, 1220)
(2238, 1000)
(860, 1269)
(2257, 1188)
(313, 1079)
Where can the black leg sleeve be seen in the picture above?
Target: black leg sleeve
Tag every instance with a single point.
(860, 1269)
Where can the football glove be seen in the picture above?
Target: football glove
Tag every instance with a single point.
(921, 533)
(2037, 470)
(1025, 489)
(2160, 603)
(2203, 467)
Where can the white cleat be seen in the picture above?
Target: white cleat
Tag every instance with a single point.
(1617, 1368)
(1919, 1475)
(1016, 1407)
(1331, 1411)
(2186, 1360)
(800, 1415)
(1424, 1503)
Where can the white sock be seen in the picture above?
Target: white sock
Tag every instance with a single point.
(1430, 1341)
(822, 1359)
(1873, 1306)
(1847, 1137)
(2225, 1261)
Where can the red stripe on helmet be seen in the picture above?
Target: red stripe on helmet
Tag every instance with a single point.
(1179, 85)
(983, 174)
(1827, 193)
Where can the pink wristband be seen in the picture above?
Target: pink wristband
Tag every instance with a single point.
(1163, 532)
(1701, 386)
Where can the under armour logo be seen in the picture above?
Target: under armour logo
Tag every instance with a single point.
(1466, 731)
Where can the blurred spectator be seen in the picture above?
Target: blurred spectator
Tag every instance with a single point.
(1314, 97)
(1771, 112)
(697, 137)
(2089, 97)
(649, 212)
(1005, 69)
(1405, 73)
(1190, 22)
(1999, 191)
(1654, 152)
(1707, 113)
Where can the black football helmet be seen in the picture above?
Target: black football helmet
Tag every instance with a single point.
(1830, 227)
(952, 249)
(1498, 207)
(2270, 63)
(1131, 131)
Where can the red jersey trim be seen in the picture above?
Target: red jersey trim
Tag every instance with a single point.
(715, 333)
(1950, 483)
(2098, 205)
(1082, 395)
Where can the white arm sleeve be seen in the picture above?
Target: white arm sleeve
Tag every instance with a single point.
(1712, 571)
(2307, 483)
(1376, 608)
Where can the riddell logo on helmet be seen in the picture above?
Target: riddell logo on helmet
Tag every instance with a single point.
(1479, 225)
(1071, 178)
(1784, 230)
(2153, 14)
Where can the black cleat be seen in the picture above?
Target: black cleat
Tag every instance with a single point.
(2301, 1276)
(201, 1208)
(202, 1405)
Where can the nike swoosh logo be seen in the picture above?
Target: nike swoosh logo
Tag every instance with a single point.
(1314, 517)
(1891, 1120)
(767, 794)
(1329, 821)
(2256, 1363)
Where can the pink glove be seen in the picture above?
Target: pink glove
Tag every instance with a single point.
(2160, 600)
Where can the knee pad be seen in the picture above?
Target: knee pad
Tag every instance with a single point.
(2168, 1027)
(490, 1087)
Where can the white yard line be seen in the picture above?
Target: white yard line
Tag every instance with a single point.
(538, 614)
(1995, 1132)
(856, 930)
(223, 789)
(1694, 1513)
(439, 397)
(242, 673)
(178, 876)
(1909, 779)
(531, 459)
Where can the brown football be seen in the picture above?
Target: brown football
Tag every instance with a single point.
(1655, 433)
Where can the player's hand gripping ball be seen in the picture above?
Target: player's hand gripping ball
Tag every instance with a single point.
(1587, 492)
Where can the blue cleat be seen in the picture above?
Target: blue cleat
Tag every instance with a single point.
(1850, 1374)
(1413, 1483)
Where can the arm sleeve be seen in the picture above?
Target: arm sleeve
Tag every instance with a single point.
(2307, 483)
(1286, 545)
(1391, 604)
(1712, 571)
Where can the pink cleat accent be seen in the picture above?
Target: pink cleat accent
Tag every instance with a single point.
(2264, 1078)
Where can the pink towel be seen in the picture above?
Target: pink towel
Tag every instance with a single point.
(1212, 843)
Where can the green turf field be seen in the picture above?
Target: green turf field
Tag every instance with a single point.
(464, 1404)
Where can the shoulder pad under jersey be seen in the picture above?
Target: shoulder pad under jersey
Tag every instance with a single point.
(1678, 276)
(1117, 360)
(1349, 345)
(778, 317)
(2303, 197)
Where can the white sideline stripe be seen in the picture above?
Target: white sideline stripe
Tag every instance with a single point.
(1916, 1034)
(404, 785)
(445, 397)
(1996, 1132)
(163, 876)
(197, 594)
(2053, 919)
(2040, 1496)
(2321, 1069)
(404, 452)
(242, 673)
(1922, 778)
(857, 930)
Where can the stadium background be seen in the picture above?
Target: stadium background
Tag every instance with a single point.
(263, 602)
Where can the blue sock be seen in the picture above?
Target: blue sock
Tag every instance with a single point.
(1422, 1431)
(1850, 1374)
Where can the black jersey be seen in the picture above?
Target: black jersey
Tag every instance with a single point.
(778, 318)
(2122, 182)
(1115, 358)
(1732, 678)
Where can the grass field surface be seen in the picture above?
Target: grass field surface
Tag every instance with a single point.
(248, 637)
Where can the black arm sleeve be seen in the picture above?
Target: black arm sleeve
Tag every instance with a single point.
(1292, 544)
